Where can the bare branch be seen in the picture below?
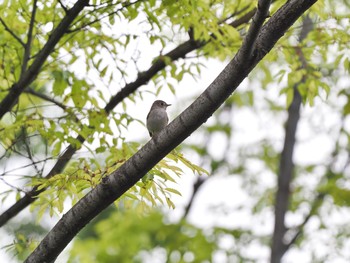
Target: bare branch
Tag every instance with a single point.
(11, 32)
(12, 186)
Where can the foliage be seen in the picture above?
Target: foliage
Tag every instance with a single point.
(103, 51)
(115, 239)
(84, 174)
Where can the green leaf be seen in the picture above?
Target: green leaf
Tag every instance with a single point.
(289, 96)
(172, 190)
(59, 85)
(170, 203)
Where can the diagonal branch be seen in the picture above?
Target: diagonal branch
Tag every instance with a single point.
(196, 186)
(29, 75)
(45, 97)
(11, 32)
(63, 6)
(143, 77)
(119, 181)
(179, 52)
(315, 205)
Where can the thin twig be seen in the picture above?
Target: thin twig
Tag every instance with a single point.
(12, 186)
(29, 39)
(28, 150)
(63, 6)
(100, 18)
(11, 32)
(45, 97)
(25, 166)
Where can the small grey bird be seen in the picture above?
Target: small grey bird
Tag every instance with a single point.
(157, 117)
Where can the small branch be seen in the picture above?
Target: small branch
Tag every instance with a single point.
(196, 186)
(12, 186)
(258, 20)
(28, 149)
(45, 97)
(224, 20)
(244, 19)
(105, 16)
(63, 6)
(25, 166)
(11, 32)
(301, 227)
(57, 103)
(27, 46)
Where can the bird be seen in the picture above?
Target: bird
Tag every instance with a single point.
(157, 117)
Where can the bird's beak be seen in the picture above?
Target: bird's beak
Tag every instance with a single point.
(168, 105)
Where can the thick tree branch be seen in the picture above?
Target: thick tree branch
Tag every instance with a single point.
(118, 182)
(286, 166)
(179, 52)
(29, 76)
